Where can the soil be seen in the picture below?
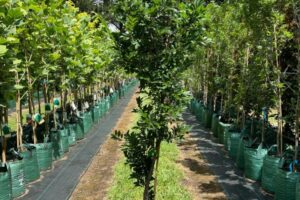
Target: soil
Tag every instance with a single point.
(95, 182)
(198, 179)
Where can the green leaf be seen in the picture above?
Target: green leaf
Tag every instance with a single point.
(18, 87)
(3, 50)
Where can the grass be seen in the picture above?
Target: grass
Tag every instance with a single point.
(169, 179)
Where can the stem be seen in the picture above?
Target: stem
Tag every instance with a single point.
(156, 167)
(148, 180)
(279, 96)
(39, 99)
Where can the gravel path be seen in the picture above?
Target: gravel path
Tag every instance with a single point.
(231, 179)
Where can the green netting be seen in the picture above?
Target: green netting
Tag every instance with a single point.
(64, 140)
(221, 131)
(31, 168)
(87, 121)
(71, 134)
(269, 171)
(79, 130)
(199, 110)
(233, 144)
(107, 104)
(254, 159)
(100, 109)
(17, 178)
(214, 124)
(285, 185)
(208, 118)
(240, 154)
(44, 155)
(203, 116)
(297, 189)
(96, 113)
(56, 143)
(5, 186)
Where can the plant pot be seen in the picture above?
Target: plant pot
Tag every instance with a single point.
(17, 178)
(254, 159)
(79, 130)
(88, 121)
(269, 170)
(214, 124)
(221, 131)
(31, 168)
(44, 155)
(5, 185)
(96, 113)
(297, 189)
(208, 118)
(199, 111)
(285, 185)
(240, 154)
(71, 134)
(64, 142)
(56, 143)
(233, 144)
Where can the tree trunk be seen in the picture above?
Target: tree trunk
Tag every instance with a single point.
(148, 181)
(279, 95)
(156, 167)
(39, 98)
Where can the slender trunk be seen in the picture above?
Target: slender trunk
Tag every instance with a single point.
(148, 181)
(39, 98)
(18, 103)
(297, 127)
(3, 150)
(156, 167)
(34, 132)
(279, 95)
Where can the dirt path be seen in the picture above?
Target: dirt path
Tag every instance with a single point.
(97, 179)
(199, 180)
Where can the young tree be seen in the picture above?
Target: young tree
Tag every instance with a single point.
(155, 40)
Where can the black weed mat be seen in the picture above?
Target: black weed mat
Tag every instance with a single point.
(231, 179)
(59, 183)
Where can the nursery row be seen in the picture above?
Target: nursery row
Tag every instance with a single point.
(258, 161)
(25, 166)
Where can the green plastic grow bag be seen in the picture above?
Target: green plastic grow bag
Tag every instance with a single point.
(214, 124)
(44, 155)
(285, 185)
(31, 168)
(298, 189)
(254, 159)
(221, 131)
(56, 143)
(233, 144)
(96, 113)
(199, 112)
(17, 178)
(64, 142)
(203, 116)
(269, 171)
(240, 154)
(87, 121)
(71, 134)
(208, 118)
(5, 186)
(79, 130)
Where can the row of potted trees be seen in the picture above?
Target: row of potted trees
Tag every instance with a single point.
(26, 165)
